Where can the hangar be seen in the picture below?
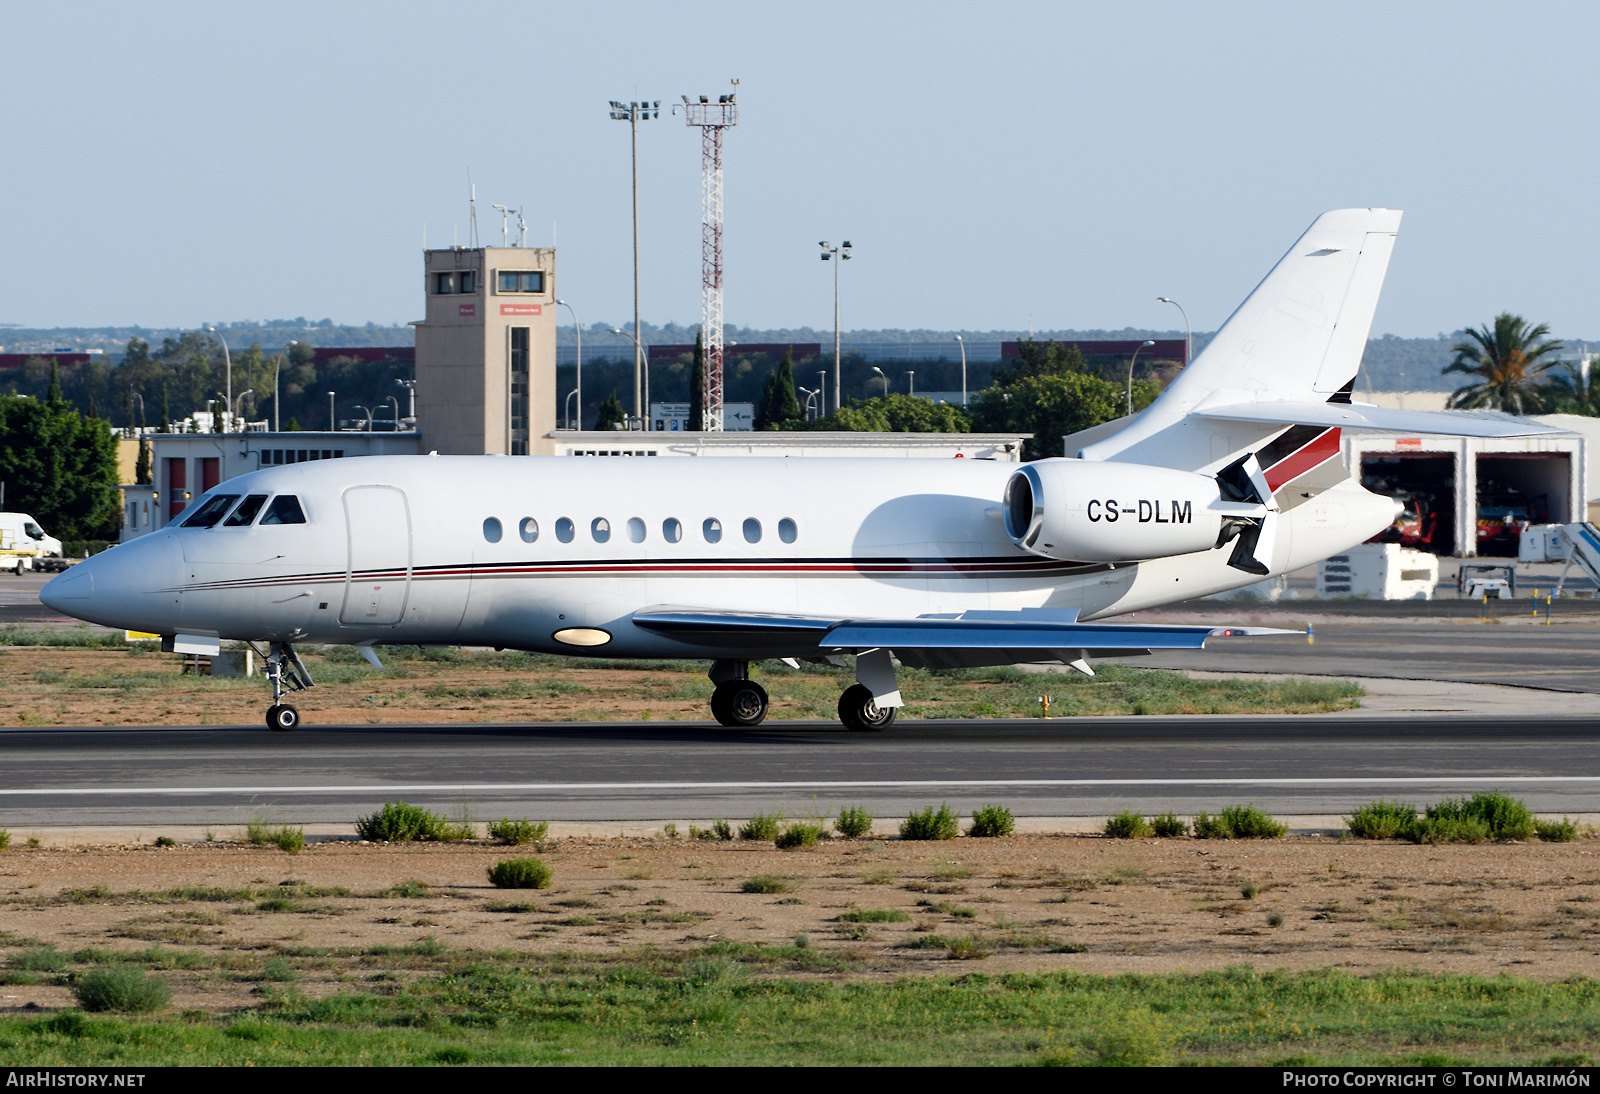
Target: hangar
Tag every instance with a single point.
(1466, 497)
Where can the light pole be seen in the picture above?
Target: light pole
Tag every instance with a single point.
(1131, 360)
(638, 348)
(228, 360)
(963, 344)
(396, 402)
(911, 381)
(140, 397)
(566, 410)
(411, 388)
(368, 413)
(822, 393)
(276, 364)
(238, 409)
(843, 253)
(1188, 335)
(810, 395)
(579, 328)
(884, 377)
(633, 114)
(333, 423)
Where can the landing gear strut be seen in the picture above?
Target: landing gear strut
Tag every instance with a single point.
(286, 673)
(738, 702)
(858, 711)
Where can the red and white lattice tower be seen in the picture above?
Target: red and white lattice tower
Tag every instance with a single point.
(712, 118)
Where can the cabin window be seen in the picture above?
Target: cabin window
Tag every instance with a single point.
(564, 529)
(752, 530)
(211, 512)
(787, 530)
(528, 529)
(491, 529)
(600, 529)
(285, 509)
(712, 529)
(248, 508)
(636, 529)
(671, 530)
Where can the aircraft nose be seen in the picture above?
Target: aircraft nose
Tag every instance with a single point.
(133, 586)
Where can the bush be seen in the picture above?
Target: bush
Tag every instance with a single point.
(929, 823)
(284, 837)
(519, 873)
(1503, 816)
(1167, 825)
(1382, 819)
(40, 959)
(517, 832)
(1238, 822)
(766, 883)
(1561, 831)
(992, 821)
(1448, 830)
(874, 915)
(854, 822)
(762, 826)
(401, 822)
(799, 835)
(124, 989)
(1127, 825)
(5, 839)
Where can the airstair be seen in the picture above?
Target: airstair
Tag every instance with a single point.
(1582, 547)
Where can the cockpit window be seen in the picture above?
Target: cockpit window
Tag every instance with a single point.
(248, 508)
(211, 512)
(285, 509)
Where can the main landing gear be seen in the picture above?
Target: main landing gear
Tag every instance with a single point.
(869, 704)
(286, 673)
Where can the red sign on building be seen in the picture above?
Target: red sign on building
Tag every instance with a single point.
(520, 309)
(466, 309)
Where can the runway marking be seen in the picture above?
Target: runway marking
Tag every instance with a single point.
(840, 784)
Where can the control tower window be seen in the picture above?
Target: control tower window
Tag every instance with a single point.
(467, 281)
(444, 283)
(521, 281)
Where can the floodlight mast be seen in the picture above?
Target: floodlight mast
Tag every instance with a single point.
(712, 118)
(633, 113)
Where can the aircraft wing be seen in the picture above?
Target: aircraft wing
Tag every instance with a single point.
(966, 639)
(1460, 423)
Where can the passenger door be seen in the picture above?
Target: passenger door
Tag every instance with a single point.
(378, 577)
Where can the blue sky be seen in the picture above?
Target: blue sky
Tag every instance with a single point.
(996, 166)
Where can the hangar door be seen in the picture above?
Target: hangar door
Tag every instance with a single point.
(1425, 485)
(378, 575)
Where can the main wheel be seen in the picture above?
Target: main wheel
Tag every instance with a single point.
(282, 718)
(739, 703)
(858, 712)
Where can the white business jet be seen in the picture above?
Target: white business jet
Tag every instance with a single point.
(1232, 475)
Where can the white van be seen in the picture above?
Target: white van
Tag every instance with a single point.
(22, 542)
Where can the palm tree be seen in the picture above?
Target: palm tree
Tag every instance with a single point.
(1575, 391)
(1510, 358)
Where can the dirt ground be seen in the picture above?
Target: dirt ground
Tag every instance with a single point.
(1035, 902)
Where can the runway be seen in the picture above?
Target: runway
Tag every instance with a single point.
(1319, 764)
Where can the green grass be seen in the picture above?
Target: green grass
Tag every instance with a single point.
(517, 832)
(1238, 822)
(992, 822)
(5, 839)
(401, 822)
(738, 1003)
(873, 915)
(766, 883)
(931, 824)
(1127, 825)
(798, 835)
(120, 989)
(263, 833)
(762, 826)
(520, 873)
(853, 822)
(1382, 819)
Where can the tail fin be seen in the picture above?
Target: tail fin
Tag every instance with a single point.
(1298, 337)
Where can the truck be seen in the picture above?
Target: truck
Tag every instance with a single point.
(24, 545)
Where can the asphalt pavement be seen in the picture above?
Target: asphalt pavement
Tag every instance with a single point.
(1308, 764)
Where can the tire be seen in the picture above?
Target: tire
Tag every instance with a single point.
(860, 714)
(282, 719)
(739, 704)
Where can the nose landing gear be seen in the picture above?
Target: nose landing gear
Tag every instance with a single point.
(286, 673)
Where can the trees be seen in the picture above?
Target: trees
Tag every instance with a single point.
(1509, 358)
(893, 413)
(59, 467)
(697, 385)
(611, 412)
(1048, 394)
(779, 406)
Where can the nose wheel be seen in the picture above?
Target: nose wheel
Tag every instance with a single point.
(739, 703)
(281, 717)
(286, 673)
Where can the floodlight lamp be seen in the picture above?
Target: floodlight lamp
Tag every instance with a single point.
(822, 243)
(1162, 300)
(705, 98)
(847, 243)
(685, 100)
(1146, 342)
(824, 256)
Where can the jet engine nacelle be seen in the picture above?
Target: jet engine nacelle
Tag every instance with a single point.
(1087, 511)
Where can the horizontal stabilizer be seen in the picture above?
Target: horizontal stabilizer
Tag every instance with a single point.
(1457, 423)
